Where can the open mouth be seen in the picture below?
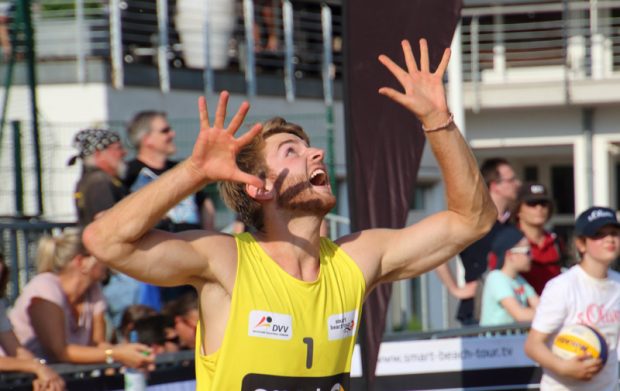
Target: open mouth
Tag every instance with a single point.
(318, 178)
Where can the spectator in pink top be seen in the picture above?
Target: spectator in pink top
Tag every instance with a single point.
(60, 313)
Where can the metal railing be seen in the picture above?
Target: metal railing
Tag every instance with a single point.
(276, 37)
(512, 41)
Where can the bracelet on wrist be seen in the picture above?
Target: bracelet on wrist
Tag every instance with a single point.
(444, 125)
(109, 356)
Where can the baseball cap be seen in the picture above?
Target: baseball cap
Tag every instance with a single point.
(505, 239)
(593, 219)
(532, 191)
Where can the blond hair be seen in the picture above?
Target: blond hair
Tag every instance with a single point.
(251, 160)
(55, 252)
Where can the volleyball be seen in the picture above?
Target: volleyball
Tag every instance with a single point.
(578, 339)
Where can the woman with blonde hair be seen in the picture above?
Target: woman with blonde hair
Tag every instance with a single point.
(60, 313)
(20, 359)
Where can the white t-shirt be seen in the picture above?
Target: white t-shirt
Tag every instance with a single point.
(576, 297)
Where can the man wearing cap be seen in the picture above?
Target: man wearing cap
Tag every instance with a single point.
(507, 297)
(503, 185)
(531, 212)
(100, 186)
(588, 293)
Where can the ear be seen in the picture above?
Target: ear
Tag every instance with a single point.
(259, 194)
(580, 244)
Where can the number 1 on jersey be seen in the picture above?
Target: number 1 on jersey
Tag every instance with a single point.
(310, 348)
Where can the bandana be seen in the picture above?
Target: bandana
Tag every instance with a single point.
(88, 141)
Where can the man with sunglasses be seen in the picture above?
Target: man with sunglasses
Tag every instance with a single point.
(532, 211)
(153, 137)
(503, 185)
(507, 297)
(588, 293)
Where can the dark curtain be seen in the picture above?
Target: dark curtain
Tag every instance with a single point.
(384, 141)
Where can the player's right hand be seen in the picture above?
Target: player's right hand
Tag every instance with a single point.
(215, 152)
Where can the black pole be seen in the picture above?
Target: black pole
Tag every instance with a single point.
(24, 11)
(18, 168)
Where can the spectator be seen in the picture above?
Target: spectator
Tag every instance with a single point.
(21, 360)
(507, 297)
(153, 137)
(531, 212)
(99, 188)
(268, 32)
(587, 293)
(131, 315)
(157, 331)
(503, 185)
(184, 312)
(59, 314)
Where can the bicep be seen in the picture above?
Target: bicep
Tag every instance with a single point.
(170, 259)
(48, 322)
(411, 251)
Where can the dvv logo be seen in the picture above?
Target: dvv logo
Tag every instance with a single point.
(271, 325)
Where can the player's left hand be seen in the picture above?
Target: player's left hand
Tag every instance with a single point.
(424, 92)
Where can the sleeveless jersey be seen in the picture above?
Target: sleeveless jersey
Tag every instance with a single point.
(284, 333)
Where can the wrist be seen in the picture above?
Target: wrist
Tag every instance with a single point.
(437, 120)
(109, 356)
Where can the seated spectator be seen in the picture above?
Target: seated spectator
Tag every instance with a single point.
(59, 315)
(157, 331)
(532, 211)
(21, 360)
(507, 297)
(130, 316)
(184, 313)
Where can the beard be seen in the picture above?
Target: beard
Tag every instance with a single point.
(296, 193)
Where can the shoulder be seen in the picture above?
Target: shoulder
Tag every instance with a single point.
(45, 286)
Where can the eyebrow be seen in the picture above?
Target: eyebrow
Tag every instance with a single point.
(290, 141)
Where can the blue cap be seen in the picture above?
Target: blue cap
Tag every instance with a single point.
(589, 222)
(505, 239)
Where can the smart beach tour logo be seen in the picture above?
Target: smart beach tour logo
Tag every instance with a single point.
(271, 325)
(342, 326)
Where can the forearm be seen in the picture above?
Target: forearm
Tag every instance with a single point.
(12, 364)
(466, 192)
(445, 275)
(539, 352)
(112, 237)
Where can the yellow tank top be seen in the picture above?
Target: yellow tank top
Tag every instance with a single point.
(284, 333)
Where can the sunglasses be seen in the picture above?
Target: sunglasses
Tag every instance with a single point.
(175, 340)
(522, 250)
(166, 130)
(534, 203)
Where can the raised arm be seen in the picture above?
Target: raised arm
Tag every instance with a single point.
(123, 237)
(387, 255)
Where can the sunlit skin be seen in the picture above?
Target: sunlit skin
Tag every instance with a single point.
(600, 251)
(110, 160)
(298, 174)
(294, 197)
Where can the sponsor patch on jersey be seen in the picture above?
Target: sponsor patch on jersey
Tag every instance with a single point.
(341, 326)
(271, 325)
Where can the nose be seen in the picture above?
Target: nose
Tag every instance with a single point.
(317, 154)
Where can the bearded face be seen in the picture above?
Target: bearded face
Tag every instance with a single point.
(300, 194)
